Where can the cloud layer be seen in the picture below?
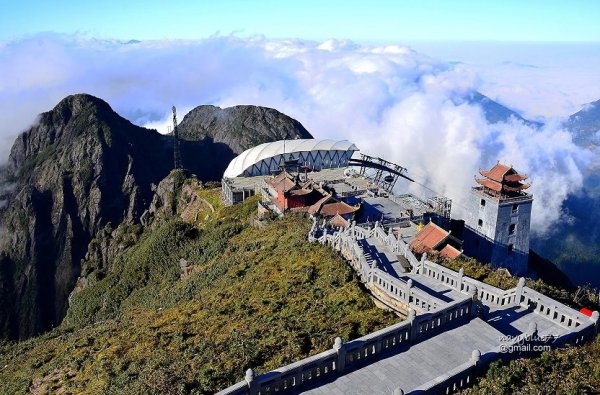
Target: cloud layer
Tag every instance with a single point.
(391, 101)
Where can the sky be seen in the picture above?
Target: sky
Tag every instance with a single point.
(393, 78)
(357, 20)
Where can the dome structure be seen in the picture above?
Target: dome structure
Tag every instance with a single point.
(266, 158)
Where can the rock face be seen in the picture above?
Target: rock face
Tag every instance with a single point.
(82, 169)
(79, 168)
(240, 127)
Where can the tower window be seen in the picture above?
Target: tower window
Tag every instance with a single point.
(512, 229)
(511, 248)
(515, 208)
(480, 222)
(482, 202)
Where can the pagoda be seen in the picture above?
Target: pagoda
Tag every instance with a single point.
(503, 182)
(498, 219)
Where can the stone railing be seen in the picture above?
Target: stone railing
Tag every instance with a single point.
(551, 309)
(496, 297)
(459, 377)
(583, 333)
(403, 291)
(345, 357)
(346, 241)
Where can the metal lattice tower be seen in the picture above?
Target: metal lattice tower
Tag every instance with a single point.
(380, 171)
(176, 149)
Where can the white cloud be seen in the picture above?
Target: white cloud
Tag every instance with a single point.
(390, 100)
(538, 79)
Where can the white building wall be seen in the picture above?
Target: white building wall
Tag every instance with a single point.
(489, 236)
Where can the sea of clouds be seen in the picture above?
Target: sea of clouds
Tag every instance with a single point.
(389, 100)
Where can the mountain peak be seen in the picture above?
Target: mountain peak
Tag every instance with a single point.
(240, 127)
(73, 105)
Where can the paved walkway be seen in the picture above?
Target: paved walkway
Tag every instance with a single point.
(419, 364)
(394, 265)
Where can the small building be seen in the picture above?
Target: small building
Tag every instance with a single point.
(433, 239)
(288, 192)
(498, 222)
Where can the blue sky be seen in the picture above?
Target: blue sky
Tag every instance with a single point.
(363, 21)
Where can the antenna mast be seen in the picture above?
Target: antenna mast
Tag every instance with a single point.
(176, 152)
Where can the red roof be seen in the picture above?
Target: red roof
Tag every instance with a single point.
(331, 209)
(300, 192)
(515, 177)
(428, 238)
(281, 176)
(517, 188)
(449, 252)
(317, 206)
(496, 173)
(493, 185)
(282, 184)
(338, 221)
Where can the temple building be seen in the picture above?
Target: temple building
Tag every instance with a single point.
(289, 192)
(498, 220)
(433, 239)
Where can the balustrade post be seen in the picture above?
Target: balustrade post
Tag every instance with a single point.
(594, 317)
(475, 357)
(338, 346)
(398, 391)
(461, 273)
(519, 290)
(378, 346)
(412, 318)
(409, 285)
(422, 263)
(252, 387)
(474, 302)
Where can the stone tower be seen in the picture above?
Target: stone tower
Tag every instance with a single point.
(498, 222)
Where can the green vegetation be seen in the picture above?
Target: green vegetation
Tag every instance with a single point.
(254, 297)
(42, 157)
(573, 370)
(480, 271)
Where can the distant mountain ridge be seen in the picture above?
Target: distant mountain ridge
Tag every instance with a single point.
(495, 112)
(585, 125)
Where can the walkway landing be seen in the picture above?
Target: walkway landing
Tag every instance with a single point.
(417, 365)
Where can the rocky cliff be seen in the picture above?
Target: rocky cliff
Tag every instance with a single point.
(82, 167)
(240, 127)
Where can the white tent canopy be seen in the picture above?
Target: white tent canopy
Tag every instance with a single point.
(265, 158)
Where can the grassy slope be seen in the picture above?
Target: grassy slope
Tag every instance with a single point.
(257, 298)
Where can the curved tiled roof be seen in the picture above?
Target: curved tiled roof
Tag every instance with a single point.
(268, 150)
